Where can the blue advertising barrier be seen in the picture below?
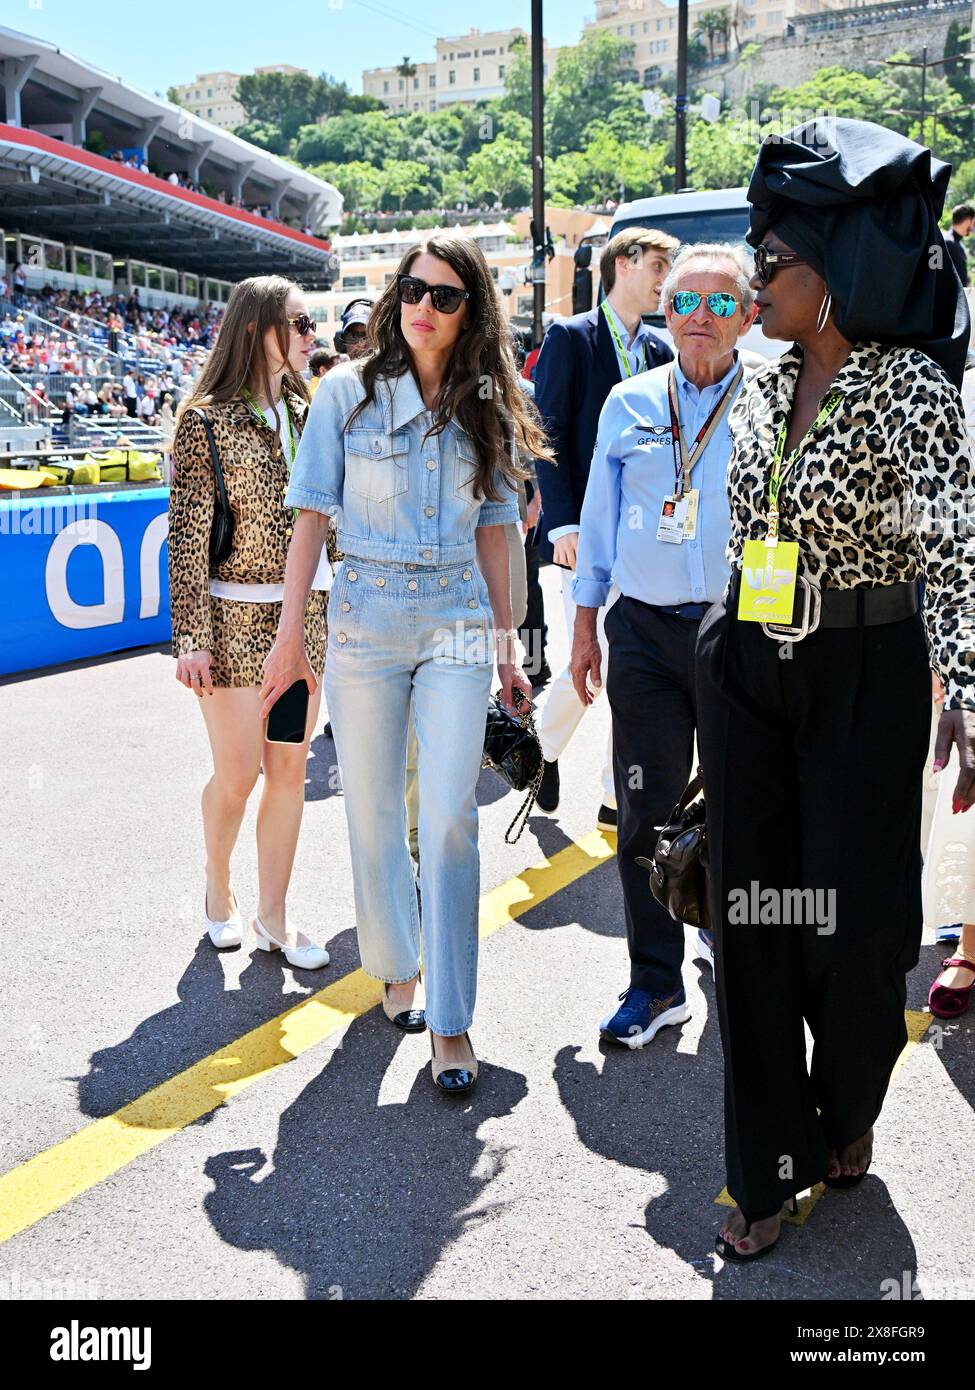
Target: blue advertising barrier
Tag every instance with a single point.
(81, 575)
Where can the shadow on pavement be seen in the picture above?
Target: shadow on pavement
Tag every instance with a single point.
(322, 770)
(660, 1110)
(207, 1017)
(362, 1198)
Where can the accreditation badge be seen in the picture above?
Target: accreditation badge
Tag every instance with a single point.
(768, 582)
(692, 498)
(673, 515)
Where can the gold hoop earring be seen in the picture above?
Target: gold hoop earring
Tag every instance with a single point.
(824, 309)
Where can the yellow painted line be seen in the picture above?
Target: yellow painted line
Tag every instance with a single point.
(49, 1180)
(918, 1024)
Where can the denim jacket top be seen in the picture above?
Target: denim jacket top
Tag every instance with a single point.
(395, 497)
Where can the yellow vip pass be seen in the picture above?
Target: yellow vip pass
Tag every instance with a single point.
(768, 582)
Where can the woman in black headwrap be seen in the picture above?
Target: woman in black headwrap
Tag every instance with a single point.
(850, 480)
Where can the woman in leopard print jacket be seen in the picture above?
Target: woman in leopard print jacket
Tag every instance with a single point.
(225, 616)
(851, 462)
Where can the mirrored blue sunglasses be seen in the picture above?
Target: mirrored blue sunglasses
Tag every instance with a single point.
(720, 303)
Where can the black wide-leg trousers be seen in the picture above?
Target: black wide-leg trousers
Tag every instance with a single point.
(651, 689)
(813, 759)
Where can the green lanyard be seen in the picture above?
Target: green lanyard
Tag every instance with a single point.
(292, 447)
(619, 343)
(781, 465)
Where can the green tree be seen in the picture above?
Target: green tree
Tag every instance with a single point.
(499, 171)
(359, 183)
(402, 179)
(265, 136)
(518, 80)
(584, 88)
(719, 154)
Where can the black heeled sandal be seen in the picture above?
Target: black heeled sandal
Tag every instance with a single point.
(844, 1181)
(726, 1249)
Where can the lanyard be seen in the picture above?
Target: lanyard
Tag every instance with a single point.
(781, 465)
(688, 457)
(292, 448)
(625, 361)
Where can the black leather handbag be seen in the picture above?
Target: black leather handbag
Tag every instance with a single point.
(222, 529)
(679, 867)
(512, 750)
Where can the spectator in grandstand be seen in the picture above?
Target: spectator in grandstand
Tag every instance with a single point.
(108, 401)
(131, 393)
(20, 280)
(147, 409)
(167, 416)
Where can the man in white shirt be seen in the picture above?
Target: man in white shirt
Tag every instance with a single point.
(130, 392)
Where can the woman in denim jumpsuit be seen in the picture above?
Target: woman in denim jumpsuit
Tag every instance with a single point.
(410, 450)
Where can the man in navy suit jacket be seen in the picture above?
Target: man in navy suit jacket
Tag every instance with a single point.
(582, 358)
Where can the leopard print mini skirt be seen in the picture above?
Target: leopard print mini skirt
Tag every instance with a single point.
(244, 633)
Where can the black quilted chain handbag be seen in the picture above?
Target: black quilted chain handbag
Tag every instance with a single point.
(679, 867)
(512, 750)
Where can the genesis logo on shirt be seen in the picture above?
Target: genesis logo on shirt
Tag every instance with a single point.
(654, 434)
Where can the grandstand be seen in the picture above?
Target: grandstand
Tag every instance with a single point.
(124, 223)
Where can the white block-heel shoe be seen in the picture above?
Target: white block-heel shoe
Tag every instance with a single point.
(224, 935)
(308, 957)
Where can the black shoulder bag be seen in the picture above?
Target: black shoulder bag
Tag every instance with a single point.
(513, 751)
(222, 530)
(679, 867)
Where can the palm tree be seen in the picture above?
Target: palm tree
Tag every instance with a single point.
(724, 25)
(709, 24)
(407, 68)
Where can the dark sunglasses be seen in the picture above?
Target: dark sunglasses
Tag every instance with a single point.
(767, 262)
(302, 324)
(446, 299)
(720, 303)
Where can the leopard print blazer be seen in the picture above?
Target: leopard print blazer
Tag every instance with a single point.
(883, 491)
(256, 476)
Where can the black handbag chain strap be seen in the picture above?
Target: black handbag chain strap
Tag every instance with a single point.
(215, 456)
(527, 720)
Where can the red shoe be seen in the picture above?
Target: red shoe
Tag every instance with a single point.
(945, 1002)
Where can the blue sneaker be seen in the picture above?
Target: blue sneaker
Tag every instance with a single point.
(641, 1015)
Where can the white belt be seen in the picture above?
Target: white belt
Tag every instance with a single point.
(269, 593)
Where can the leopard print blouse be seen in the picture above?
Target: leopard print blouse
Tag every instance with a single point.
(883, 491)
(256, 477)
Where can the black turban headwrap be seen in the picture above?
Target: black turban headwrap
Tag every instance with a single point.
(861, 204)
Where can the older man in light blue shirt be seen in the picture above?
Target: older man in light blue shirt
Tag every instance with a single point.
(655, 522)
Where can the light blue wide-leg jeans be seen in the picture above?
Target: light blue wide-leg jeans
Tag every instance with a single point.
(397, 633)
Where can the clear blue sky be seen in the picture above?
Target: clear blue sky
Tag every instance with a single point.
(154, 44)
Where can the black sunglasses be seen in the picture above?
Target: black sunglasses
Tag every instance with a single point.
(303, 324)
(446, 299)
(767, 262)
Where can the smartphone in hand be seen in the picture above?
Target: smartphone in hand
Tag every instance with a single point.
(288, 716)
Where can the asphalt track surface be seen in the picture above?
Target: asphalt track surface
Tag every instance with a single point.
(168, 1135)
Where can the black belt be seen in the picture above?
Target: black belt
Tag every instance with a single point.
(693, 612)
(867, 607)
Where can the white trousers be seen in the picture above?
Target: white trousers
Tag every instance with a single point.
(561, 709)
